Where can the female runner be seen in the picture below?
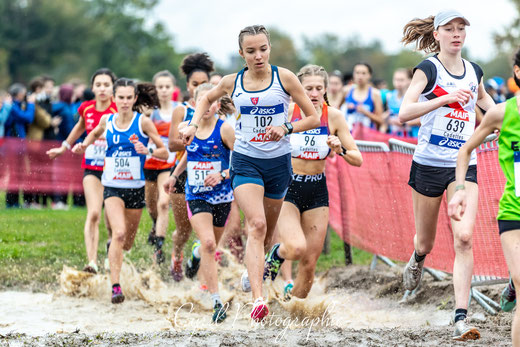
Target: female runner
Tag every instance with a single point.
(364, 103)
(90, 113)
(304, 217)
(444, 91)
(127, 133)
(208, 194)
(197, 68)
(504, 117)
(260, 165)
(156, 171)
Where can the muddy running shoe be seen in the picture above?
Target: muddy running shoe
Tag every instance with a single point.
(158, 256)
(244, 281)
(287, 291)
(176, 269)
(412, 273)
(117, 295)
(151, 236)
(259, 310)
(90, 269)
(508, 299)
(219, 313)
(464, 332)
(272, 263)
(192, 265)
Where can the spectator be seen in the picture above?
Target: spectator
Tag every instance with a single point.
(64, 109)
(42, 119)
(20, 116)
(5, 107)
(401, 81)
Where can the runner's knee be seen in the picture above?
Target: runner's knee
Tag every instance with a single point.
(94, 217)
(208, 246)
(257, 226)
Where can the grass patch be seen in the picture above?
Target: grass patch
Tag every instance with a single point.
(35, 244)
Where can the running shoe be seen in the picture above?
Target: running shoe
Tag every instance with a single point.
(464, 332)
(219, 313)
(244, 281)
(176, 269)
(158, 256)
(151, 236)
(192, 265)
(287, 291)
(412, 273)
(259, 310)
(508, 299)
(272, 265)
(90, 269)
(218, 257)
(117, 295)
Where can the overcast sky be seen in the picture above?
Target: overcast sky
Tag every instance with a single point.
(213, 25)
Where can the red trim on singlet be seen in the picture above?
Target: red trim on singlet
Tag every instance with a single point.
(324, 120)
(439, 91)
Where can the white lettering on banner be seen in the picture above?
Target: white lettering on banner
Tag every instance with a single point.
(123, 167)
(95, 153)
(454, 126)
(199, 170)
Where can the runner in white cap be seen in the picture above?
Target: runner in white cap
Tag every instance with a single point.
(444, 92)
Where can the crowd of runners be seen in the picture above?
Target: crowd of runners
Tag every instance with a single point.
(254, 144)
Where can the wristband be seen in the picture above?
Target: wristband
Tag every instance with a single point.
(284, 127)
(194, 125)
(66, 145)
(460, 187)
(343, 151)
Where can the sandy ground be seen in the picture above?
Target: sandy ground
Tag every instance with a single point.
(347, 307)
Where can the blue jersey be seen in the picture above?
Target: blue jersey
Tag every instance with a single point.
(204, 158)
(353, 116)
(123, 165)
(190, 110)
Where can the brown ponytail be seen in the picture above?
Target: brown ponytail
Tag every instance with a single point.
(420, 31)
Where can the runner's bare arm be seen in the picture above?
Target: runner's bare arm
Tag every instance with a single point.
(492, 121)
(175, 143)
(225, 87)
(74, 135)
(293, 86)
(342, 137)
(484, 101)
(377, 115)
(411, 108)
(149, 129)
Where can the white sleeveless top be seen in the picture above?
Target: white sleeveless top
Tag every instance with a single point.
(256, 110)
(444, 130)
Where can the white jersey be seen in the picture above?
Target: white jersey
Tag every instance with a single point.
(444, 130)
(256, 111)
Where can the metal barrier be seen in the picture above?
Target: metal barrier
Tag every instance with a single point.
(487, 303)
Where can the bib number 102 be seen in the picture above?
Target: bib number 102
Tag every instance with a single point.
(455, 125)
(262, 122)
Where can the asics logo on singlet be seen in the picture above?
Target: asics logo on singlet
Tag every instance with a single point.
(122, 154)
(450, 143)
(316, 131)
(262, 110)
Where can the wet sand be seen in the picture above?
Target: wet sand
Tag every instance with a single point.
(347, 307)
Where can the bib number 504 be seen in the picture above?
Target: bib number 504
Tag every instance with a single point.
(122, 162)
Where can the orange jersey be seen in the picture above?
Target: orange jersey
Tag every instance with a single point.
(162, 124)
(94, 156)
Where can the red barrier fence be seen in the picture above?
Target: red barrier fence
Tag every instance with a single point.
(371, 208)
(24, 165)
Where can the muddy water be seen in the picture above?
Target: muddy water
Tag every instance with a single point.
(345, 307)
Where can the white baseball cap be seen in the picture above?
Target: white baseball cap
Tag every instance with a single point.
(444, 17)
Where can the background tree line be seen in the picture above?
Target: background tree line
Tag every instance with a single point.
(72, 38)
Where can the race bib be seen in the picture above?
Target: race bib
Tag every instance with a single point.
(199, 170)
(123, 168)
(452, 128)
(254, 120)
(95, 153)
(311, 144)
(517, 173)
(153, 147)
